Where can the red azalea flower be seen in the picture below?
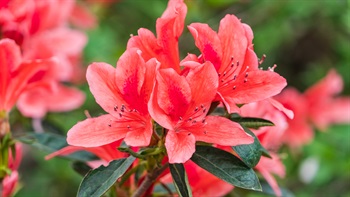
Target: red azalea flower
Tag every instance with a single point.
(123, 93)
(299, 131)
(15, 74)
(231, 52)
(169, 28)
(324, 107)
(180, 104)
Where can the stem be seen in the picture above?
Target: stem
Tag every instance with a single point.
(150, 178)
(131, 152)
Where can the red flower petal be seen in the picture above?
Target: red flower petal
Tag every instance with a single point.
(208, 43)
(180, 146)
(173, 94)
(101, 79)
(233, 39)
(99, 131)
(257, 86)
(222, 131)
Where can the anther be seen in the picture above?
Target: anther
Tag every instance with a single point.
(196, 109)
(128, 126)
(222, 80)
(202, 106)
(115, 108)
(225, 73)
(205, 132)
(189, 134)
(234, 77)
(246, 74)
(232, 65)
(109, 125)
(203, 121)
(262, 59)
(245, 80)
(237, 63)
(194, 122)
(120, 115)
(180, 118)
(234, 87)
(204, 110)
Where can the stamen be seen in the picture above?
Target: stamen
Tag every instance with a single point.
(262, 59)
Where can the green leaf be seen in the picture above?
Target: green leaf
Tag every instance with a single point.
(180, 179)
(226, 166)
(99, 180)
(253, 123)
(51, 142)
(250, 153)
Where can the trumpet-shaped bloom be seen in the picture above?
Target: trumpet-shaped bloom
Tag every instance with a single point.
(299, 130)
(324, 107)
(123, 93)
(169, 28)
(180, 104)
(15, 74)
(231, 52)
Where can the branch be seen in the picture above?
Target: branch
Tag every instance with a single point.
(150, 178)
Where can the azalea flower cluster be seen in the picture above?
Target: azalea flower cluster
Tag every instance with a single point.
(38, 32)
(155, 100)
(39, 54)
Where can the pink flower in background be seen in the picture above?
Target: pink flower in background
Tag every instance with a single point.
(318, 107)
(299, 131)
(231, 52)
(42, 30)
(123, 93)
(267, 167)
(9, 183)
(180, 104)
(324, 106)
(15, 73)
(270, 137)
(169, 28)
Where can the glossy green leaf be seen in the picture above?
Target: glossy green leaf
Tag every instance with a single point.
(99, 180)
(180, 180)
(226, 166)
(250, 153)
(253, 123)
(51, 142)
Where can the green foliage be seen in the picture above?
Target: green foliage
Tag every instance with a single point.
(99, 180)
(226, 166)
(250, 153)
(179, 176)
(252, 123)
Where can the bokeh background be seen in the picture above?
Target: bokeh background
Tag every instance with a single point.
(305, 38)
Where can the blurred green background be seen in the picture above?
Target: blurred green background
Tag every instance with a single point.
(305, 38)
